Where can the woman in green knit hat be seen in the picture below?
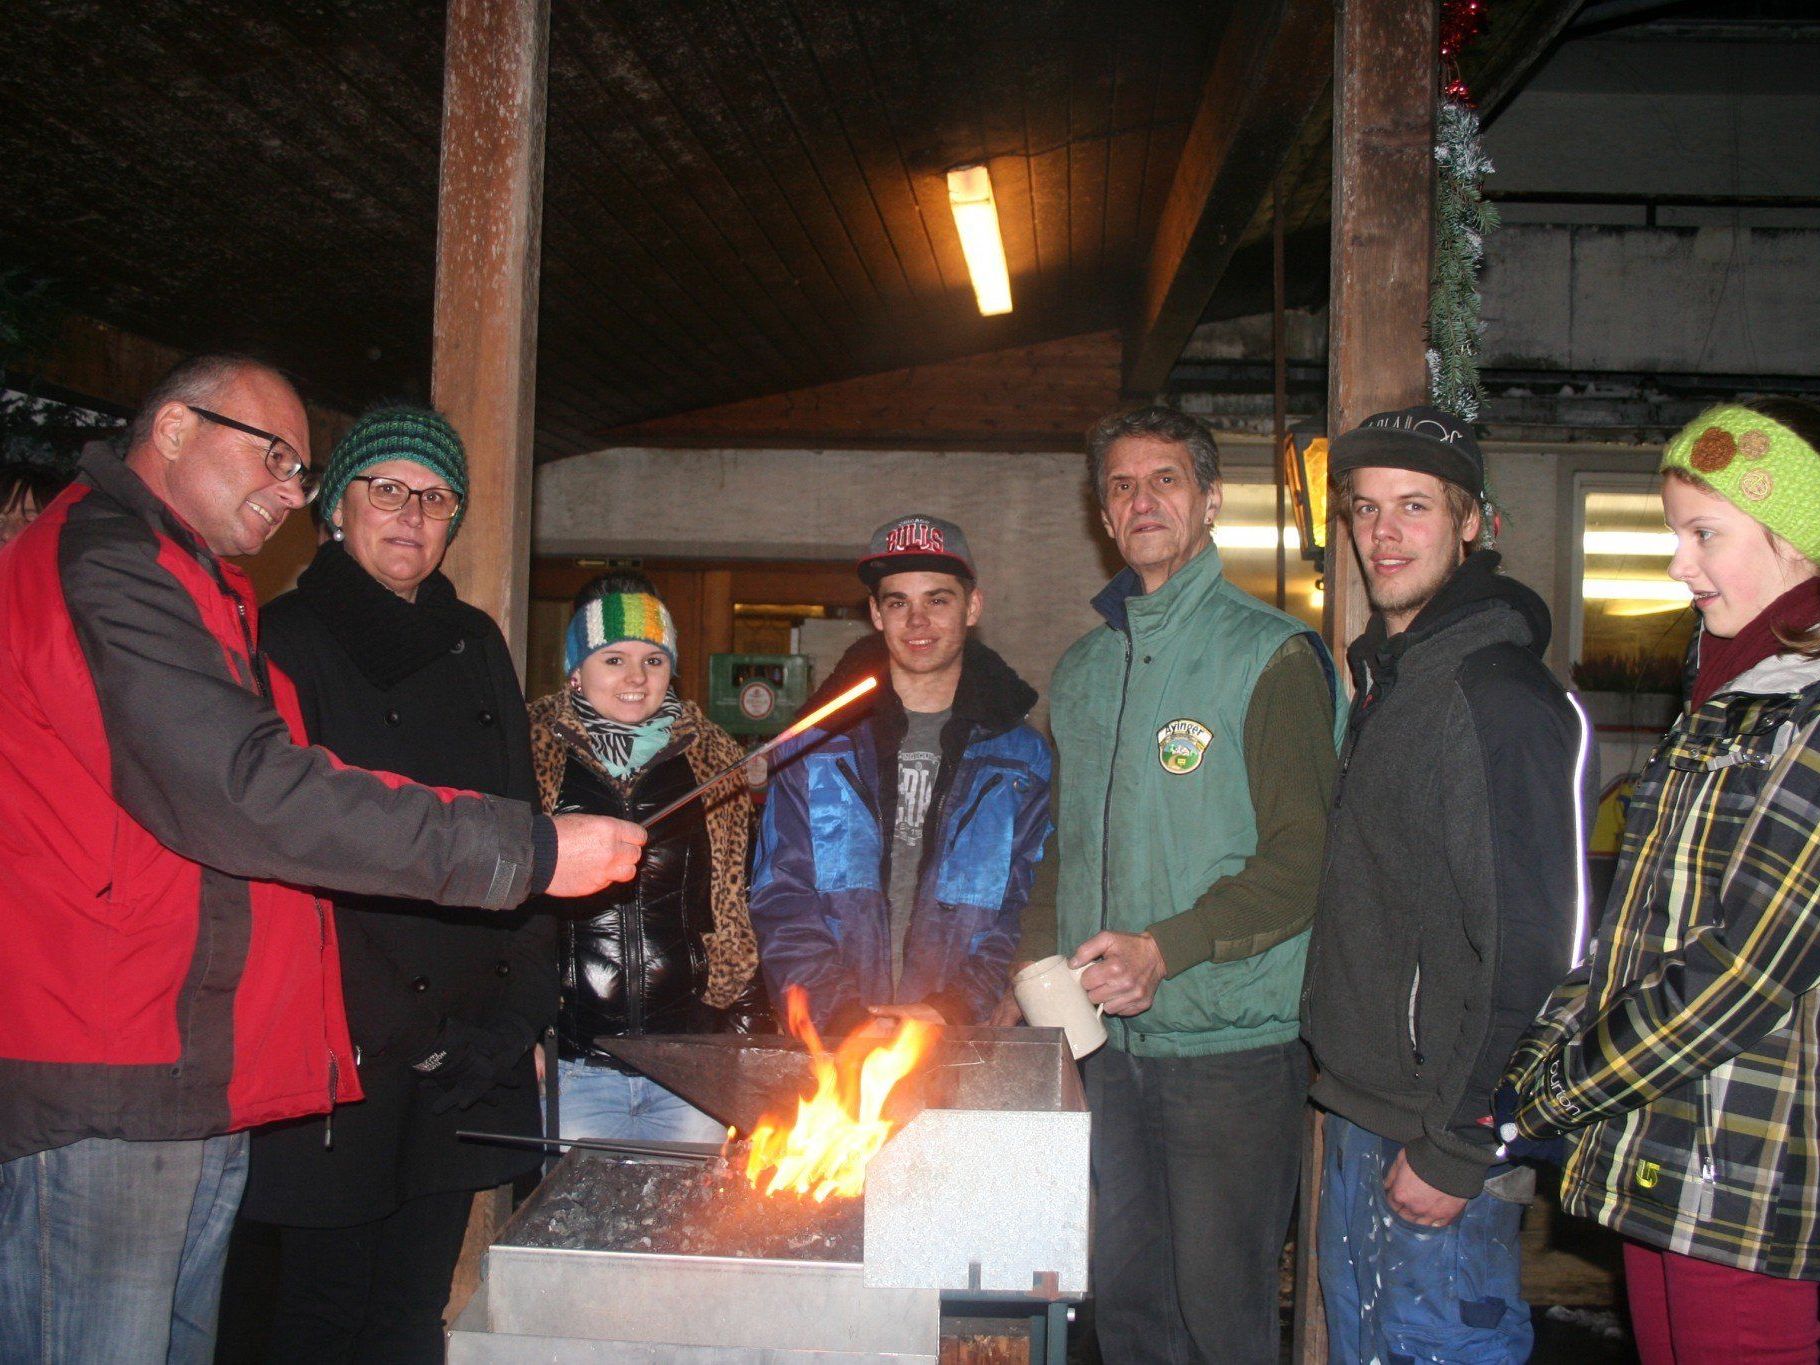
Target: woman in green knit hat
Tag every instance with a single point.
(1682, 1058)
(395, 672)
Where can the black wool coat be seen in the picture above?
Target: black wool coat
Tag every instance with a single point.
(426, 690)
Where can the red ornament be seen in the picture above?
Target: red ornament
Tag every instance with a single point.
(1461, 21)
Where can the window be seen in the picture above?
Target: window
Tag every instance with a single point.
(1246, 533)
(1632, 621)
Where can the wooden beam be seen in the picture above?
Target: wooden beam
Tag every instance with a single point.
(1383, 236)
(1384, 95)
(1496, 70)
(1039, 397)
(488, 234)
(484, 366)
(1270, 73)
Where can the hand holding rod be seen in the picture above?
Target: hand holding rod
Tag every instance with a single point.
(815, 717)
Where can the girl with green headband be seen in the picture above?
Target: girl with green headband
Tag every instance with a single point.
(1682, 1058)
(672, 951)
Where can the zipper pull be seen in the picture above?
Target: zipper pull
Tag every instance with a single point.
(328, 1121)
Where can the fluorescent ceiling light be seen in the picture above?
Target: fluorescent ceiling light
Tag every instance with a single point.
(1659, 543)
(1635, 590)
(976, 220)
(1251, 536)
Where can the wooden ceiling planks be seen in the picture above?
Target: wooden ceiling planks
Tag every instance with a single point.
(205, 160)
(742, 196)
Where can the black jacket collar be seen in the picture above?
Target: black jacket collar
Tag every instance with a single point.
(990, 693)
(387, 637)
(1476, 586)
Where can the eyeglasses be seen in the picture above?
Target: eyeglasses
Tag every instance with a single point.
(389, 495)
(281, 457)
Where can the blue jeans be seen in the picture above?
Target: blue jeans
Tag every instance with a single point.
(1397, 1292)
(113, 1250)
(597, 1101)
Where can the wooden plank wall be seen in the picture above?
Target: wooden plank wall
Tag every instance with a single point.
(1031, 397)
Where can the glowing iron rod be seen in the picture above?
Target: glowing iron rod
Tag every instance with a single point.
(815, 717)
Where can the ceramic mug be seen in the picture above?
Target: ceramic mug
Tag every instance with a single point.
(1050, 994)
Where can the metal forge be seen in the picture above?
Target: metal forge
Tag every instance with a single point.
(976, 1206)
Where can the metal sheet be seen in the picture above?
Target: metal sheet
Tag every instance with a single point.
(707, 1301)
(474, 1341)
(977, 1199)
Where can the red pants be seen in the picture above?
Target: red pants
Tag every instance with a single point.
(1691, 1312)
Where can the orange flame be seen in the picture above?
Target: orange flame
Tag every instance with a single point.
(840, 1127)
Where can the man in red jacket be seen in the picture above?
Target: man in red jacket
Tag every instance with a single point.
(169, 982)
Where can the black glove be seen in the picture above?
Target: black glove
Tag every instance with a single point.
(469, 1059)
(1549, 1151)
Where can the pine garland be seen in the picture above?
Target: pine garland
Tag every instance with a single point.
(1463, 217)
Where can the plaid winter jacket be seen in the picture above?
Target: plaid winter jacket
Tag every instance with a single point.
(1686, 1050)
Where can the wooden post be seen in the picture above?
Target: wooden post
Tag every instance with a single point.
(487, 243)
(484, 369)
(1384, 91)
(1279, 384)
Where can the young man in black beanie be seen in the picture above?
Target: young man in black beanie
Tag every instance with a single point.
(1451, 903)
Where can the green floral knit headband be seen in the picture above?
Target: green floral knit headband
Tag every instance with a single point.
(1759, 466)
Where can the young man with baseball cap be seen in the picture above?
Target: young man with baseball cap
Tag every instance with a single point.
(1449, 904)
(900, 839)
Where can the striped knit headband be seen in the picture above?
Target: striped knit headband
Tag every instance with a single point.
(616, 616)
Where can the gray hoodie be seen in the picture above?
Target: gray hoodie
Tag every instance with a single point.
(1452, 895)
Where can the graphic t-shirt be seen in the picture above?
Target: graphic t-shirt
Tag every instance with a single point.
(919, 760)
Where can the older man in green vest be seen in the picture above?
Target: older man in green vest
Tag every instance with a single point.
(1196, 729)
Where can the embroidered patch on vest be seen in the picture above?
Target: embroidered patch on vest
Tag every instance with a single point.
(1181, 744)
(1648, 1172)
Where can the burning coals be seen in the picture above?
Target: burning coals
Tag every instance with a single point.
(613, 1204)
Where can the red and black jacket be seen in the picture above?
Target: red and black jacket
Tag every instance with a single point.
(166, 974)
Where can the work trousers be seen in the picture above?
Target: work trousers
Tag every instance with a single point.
(112, 1251)
(1686, 1311)
(1395, 1290)
(372, 1293)
(1195, 1161)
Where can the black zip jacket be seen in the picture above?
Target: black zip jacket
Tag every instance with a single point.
(1451, 897)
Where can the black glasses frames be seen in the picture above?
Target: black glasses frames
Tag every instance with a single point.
(281, 458)
(389, 495)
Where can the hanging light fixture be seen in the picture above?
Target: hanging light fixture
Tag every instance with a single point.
(1304, 459)
(976, 220)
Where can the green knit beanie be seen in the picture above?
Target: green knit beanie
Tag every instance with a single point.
(398, 433)
(1757, 465)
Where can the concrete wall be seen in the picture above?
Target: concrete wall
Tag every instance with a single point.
(1622, 116)
(1028, 518)
(1716, 300)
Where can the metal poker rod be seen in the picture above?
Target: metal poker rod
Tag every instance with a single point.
(815, 717)
(678, 1151)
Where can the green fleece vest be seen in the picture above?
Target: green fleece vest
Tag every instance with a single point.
(1156, 804)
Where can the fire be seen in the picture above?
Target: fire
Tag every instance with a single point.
(841, 1126)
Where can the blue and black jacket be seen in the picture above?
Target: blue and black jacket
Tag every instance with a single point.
(823, 861)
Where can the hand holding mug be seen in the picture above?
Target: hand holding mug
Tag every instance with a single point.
(1128, 970)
